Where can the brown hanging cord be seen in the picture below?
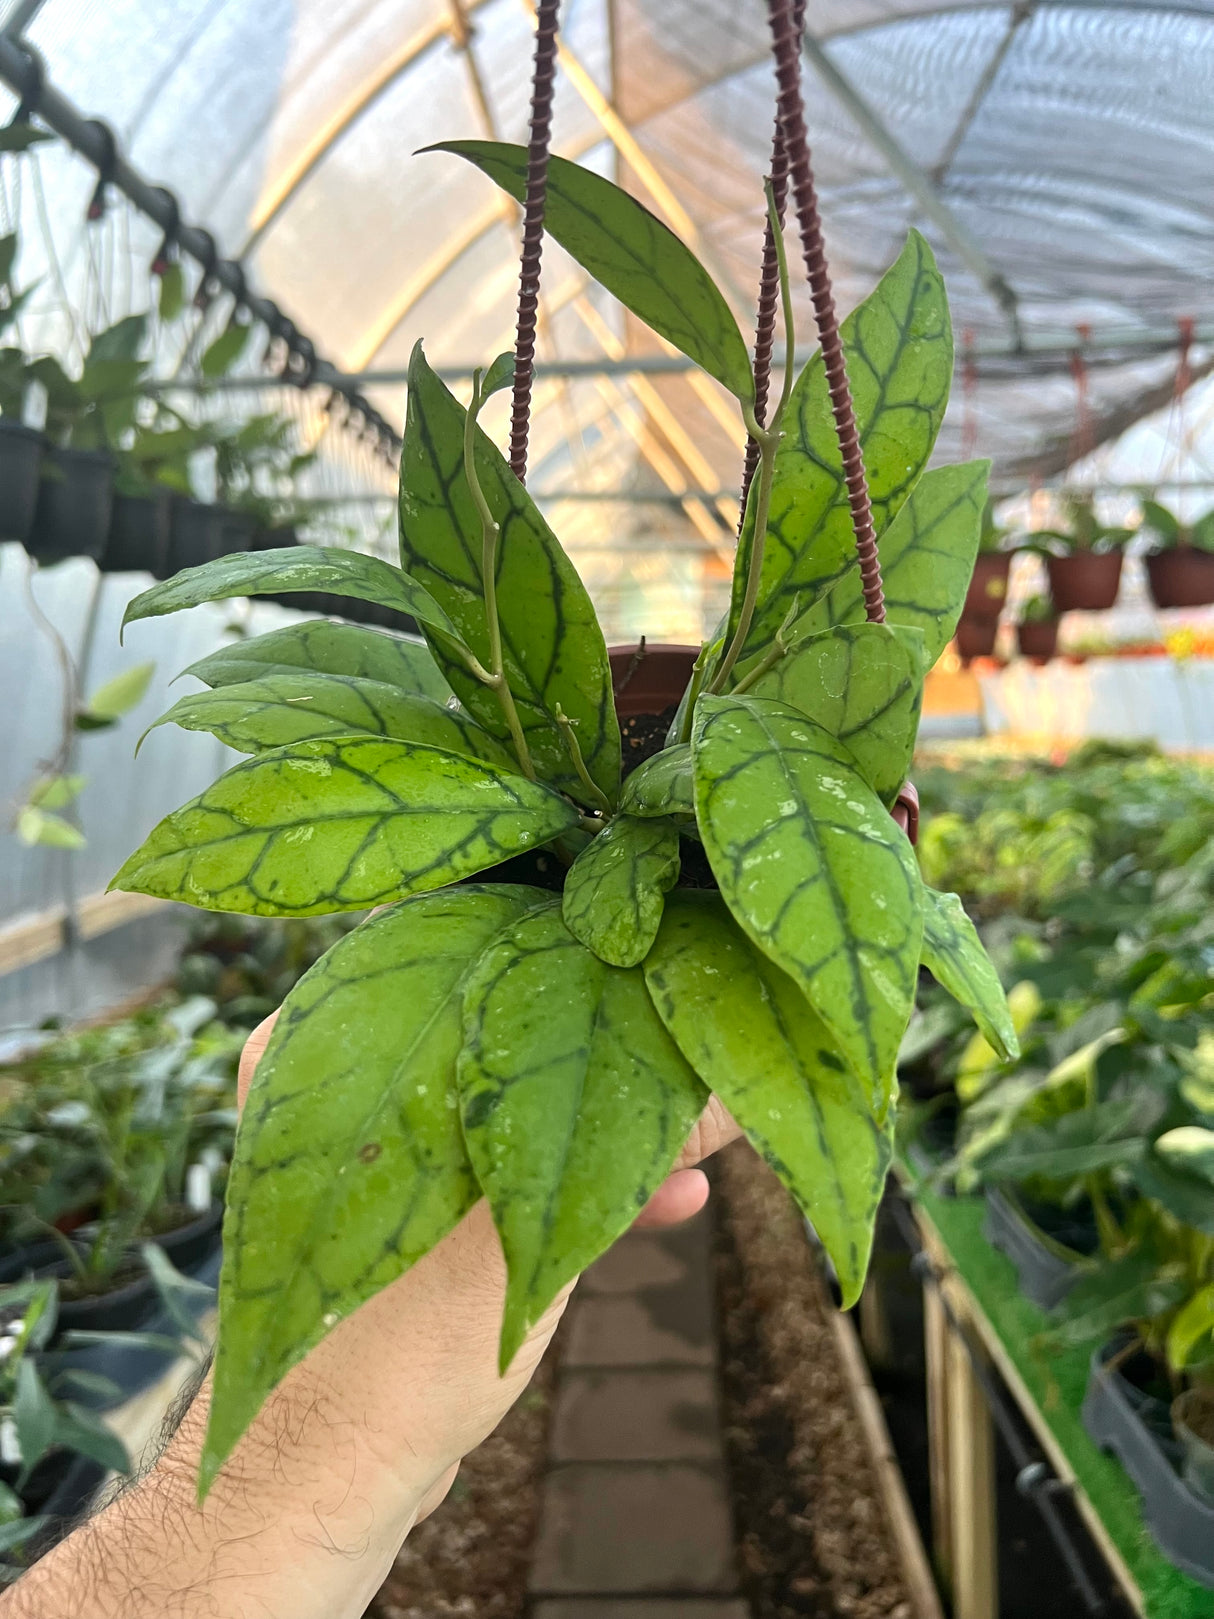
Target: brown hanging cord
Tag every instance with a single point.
(786, 40)
(543, 79)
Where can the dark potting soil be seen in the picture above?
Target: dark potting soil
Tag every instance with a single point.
(813, 1539)
(643, 735)
(1034, 1582)
(470, 1558)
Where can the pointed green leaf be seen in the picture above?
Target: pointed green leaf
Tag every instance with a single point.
(616, 887)
(1189, 1149)
(554, 651)
(1193, 1322)
(953, 954)
(927, 557)
(864, 684)
(220, 356)
(499, 375)
(575, 1101)
(57, 792)
(899, 349)
(631, 253)
(279, 710)
(350, 1162)
(81, 1430)
(661, 785)
(815, 870)
(119, 695)
(292, 567)
(36, 825)
(328, 649)
(750, 1034)
(341, 826)
(33, 1415)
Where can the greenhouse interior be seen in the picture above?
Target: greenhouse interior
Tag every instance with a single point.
(607, 879)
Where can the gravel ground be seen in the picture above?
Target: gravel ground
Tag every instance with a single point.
(813, 1538)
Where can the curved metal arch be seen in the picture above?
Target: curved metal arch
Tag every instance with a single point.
(315, 150)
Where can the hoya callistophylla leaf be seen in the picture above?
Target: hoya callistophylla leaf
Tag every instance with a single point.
(616, 887)
(813, 867)
(954, 955)
(661, 785)
(293, 567)
(864, 684)
(632, 253)
(341, 826)
(927, 557)
(326, 648)
(899, 349)
(751, 1035)
(554, 653)
(350, 1162)
(576, 1103)
(280, 710)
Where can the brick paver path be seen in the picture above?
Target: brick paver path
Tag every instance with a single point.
(635, 1522)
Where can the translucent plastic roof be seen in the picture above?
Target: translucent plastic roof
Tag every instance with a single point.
(1072, 145)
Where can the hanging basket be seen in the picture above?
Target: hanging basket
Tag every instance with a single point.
(138, 541)
(75, 501)
(1182, 577)
(976, 638)
(20, 462)
(1038, 641)
(1088, 581)
(988, 587)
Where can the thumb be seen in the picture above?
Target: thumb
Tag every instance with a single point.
(254, 1050)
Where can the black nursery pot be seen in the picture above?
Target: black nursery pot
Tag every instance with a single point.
(1137, 1428)
(196, 535)
(1046, 1274)
(236, 532)
(20, 464)
(273, 539)
(75, 501)
(139, 534)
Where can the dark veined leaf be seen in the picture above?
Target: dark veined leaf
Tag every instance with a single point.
(293, 567)
(815, 870)
(661, 785)
(616, 887)
(927, 557)
(350, 1161)
(899, 349)
(864, 684)
(279, 710)
(954, 955)
(341, 826)
(328, 649)
(750, 1034)
(576, 1103)
(555, 655)
(631, 253)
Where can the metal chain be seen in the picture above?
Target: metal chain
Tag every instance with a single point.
(786, 42)
(543, 79)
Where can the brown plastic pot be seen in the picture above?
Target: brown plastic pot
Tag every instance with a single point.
(976, 637)
(649, 677)
(1086, 582)
(988, 586)
(1182, 577)
(1038, 641)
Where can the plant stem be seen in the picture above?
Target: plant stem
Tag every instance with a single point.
(697, 680)
(593, 790)
(768, 440)
(489, 538)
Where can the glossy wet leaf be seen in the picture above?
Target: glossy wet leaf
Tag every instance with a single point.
(350, 1161)
(813, 867)
(292, 567)
(751, 1035)
(576, 1103)
(279, 710)
(554, 651)
(927, 557)
(341, 826)
(864, 684)
(330, 649)
(661, 785)
(632, 253)
(954, 955)
(616, 887)
(899, 349)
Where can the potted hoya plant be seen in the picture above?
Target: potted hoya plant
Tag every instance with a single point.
(1037, 629)
(1083, 559)
(541, 1012)
(1180, 563)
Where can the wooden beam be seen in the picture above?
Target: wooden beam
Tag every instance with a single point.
(971, 1468)
(30, 939)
